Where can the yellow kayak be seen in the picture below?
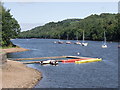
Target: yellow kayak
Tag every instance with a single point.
(87, 61)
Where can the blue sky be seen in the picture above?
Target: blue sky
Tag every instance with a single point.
(32, 14)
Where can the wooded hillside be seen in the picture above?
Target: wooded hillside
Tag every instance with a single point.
(93, 26)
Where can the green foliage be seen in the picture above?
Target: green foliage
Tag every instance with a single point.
(94, 27)
(9, 27)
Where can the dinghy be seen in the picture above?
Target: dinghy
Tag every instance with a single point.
(52, 62)
(45, 62)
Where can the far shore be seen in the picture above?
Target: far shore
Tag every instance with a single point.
(17, 75)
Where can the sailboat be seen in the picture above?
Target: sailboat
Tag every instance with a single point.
(77, 42)
(60, 42)
(68, 42)
(83, 42)
(104, 45)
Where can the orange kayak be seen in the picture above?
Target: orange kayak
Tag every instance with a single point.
(73, 60)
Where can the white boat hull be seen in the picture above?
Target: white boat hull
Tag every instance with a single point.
(84, 44)
(104, 46)
(60, 42)
(68, 42)
(78, 43)
(52, 62)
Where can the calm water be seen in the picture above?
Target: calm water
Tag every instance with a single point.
(90, 75)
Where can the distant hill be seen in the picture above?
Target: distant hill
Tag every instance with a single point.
(93, 25)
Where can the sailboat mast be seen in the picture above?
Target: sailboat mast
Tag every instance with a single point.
(77, 36)
(104, 38)
(83, 35)
(59, 38)
(67, 36)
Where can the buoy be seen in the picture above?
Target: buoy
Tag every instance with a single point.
(78, 53)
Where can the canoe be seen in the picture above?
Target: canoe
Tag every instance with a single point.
(73, 60)
(89, 60)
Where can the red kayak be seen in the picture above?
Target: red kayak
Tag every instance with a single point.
(73, 60)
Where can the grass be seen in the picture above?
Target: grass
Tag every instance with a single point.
(8, 47)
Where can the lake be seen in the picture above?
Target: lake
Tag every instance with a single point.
(70, 75)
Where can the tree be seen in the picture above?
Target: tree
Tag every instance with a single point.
(10, 27)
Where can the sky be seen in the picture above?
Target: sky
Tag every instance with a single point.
(32, 14)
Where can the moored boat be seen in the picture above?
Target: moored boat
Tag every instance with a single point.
(68, 42)
(60, 42)
(77, 42)
(83, 42)
(52, 62)
(104, 45)
(45, 62)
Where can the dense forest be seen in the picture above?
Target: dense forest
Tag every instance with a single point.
(93, 26)
(9, 27)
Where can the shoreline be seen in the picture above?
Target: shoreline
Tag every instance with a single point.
(72, 39)
(14, 49)
(18, 75)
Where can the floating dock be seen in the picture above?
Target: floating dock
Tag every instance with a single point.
(20, 59)
(88, 61)
(32, 62)
(75, 59)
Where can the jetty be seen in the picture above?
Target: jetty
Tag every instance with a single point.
(60, 59)
(20, 59)
(75, 57)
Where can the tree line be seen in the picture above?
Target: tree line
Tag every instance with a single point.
(9, 27)
(93, 26)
